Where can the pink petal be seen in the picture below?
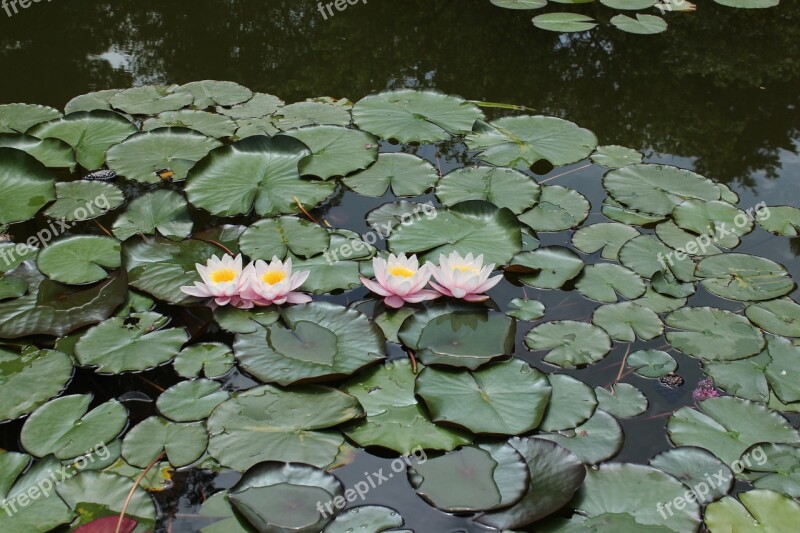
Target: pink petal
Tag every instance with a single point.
(199, 290)
(298, 298)
(445, 291)
(476, 298)
(394, 301)
(489, 284)
(375, 287)
(421, 296)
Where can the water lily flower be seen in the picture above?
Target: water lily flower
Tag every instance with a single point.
(463, 277)
(274, 283)
(223, 280)
(400, 279)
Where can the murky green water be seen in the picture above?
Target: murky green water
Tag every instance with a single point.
(717, 93)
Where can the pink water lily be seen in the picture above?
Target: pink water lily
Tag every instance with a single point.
(400, 279)
(274, 283)
(463, 277)
(223, 280)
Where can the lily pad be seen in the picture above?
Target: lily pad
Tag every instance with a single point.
(76, 198)
(572, 402)
(262, 424)
(19, 118)
(623, 400)
(415, 116)
(613, 156)
(522, 141)
(558, 209)
(713, 334)
(52, 153)
(25, 186)
(652, 363)
(608, 237)
(694, 467)
(529, 310)
(272, 237)
(596, 440)
(335, 150)
(781, 317)
(744, 277)
(209, 124)
(126, 345)
(626, 321)
(255, 172)
(79, 260)
(564, 22)
(140, 157)
(757, 510)
(782, 220)
(317, 340)
(603, 282)
(642, 24)
(260, 105)
(507, 398)
(302, 114)
(570, 343)
(151, 99)
(549, 267)
(190, 401)
(101, 493)
(209, 93)
(212, 359)
(504, 187)
(183, 444)
(96, 100)
(395, 420)
(42, 514)
(406, 174)
(66, 428)
(29, 379)
(90, 133)
(367, 519)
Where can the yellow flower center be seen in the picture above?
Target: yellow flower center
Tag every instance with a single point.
(466, 268)
(273, 276)
(223, 275)
(401, 271)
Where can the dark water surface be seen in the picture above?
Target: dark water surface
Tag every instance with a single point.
(717, 93)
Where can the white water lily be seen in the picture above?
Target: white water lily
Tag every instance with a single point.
(463, 277)
(400, 279)
(223, 280)
(274, 283)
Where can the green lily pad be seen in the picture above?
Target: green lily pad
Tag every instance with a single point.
(79, 260)
(520, 4)
(608, 237)
(549, 267)
(720, 219)
(647, 255)
(367, 519)
(713, 334)
(96, 100)
(262, 424)
(564, 22)
(280, 498)
(466, 339)
(642, 24)
(335, 150)
(260, 105)
(190, 401)
(151, 99)
(781, 317)
(652, 363)
(529, 310)
(276, 236)
(744, 378)
(254, 172)
(613, 156)
(25, 185)
(474, 226)
(596, 440)
(679, 239)
(782, 220)
(744, 277)
(472, 478)
(236, 320)
(163, 211)
(52, 153)
(504, 187)
(49, 308)
(657, 189)
(757, 510)
(127, 345)
(140, 157)
(183, 444)
(395, 419)
(570, 343)
(328, 272)
(42, 514)
(522, 141)
(218, 507)
(19, 118)
(29, 379)
(507, 398)
(212, 359)
(773, 467)
(209, 124)
(728, 426)
(96, 494)
(626, 321)
(572, 402)
(90, 133)
(625, 215)
(66, 428)
(319, 340)
(302, 114)
(749, 4)
(209, 93)
(406, 174)
(555, 475)
(694, 467)
(623, 400)
(415, 116)
(74, 198)
(603, 282)
(558, 209)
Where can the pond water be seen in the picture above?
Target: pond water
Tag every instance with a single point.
(717, 93)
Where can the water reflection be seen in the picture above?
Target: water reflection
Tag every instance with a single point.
(720, 87)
